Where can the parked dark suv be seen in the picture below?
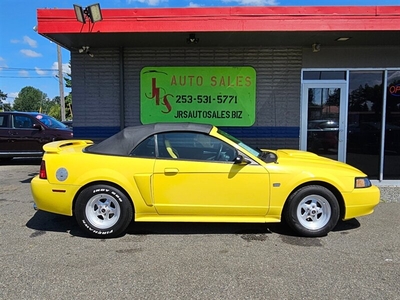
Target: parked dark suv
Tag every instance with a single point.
(23, 134)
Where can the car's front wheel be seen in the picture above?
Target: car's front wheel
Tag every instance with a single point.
(103, 211)
(312, 211)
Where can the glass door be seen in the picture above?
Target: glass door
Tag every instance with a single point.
(323, 122)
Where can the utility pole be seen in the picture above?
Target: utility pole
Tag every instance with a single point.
(61, 83)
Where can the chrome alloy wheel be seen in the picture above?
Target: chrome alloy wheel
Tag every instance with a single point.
(103, 211)
(314, 212)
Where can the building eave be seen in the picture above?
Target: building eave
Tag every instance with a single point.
(52, 23)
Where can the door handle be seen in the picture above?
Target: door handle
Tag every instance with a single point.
(171, 171)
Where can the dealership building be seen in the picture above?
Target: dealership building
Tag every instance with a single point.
(323, 79)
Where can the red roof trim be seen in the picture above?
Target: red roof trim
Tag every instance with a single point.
(224, 19)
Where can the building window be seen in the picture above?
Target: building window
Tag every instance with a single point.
(391, 169)
(365, 120)
(324, 75)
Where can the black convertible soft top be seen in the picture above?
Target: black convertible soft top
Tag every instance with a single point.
(127, 139)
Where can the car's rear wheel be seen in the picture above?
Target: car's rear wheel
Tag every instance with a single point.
(312, 211)
(103, 211)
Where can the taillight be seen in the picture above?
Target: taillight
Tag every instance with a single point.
(42, 172)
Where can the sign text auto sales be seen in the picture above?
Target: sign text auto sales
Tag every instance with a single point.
(223, 96)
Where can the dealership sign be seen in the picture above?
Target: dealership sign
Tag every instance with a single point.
(223, 96)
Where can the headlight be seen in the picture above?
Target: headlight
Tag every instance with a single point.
(362, 182)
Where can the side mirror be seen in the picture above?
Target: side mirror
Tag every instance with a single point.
(240, 160)
(37, 126)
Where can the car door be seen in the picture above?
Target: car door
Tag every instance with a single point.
(196, 178)
(5, 143)
(25, 137)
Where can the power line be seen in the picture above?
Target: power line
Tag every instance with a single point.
(35, 77)
(29, 69)
(16, 69)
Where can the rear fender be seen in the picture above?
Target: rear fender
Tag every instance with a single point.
(126, 185)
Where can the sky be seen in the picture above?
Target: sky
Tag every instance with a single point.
(28, 59)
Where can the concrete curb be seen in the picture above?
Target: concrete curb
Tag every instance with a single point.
(390, 194)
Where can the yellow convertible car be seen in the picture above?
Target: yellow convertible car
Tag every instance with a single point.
(190, 172)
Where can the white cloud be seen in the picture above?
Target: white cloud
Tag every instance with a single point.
(40, 71)
(23, 73)
(26, 40)
(3, 64)
(11, 97)
(192, 4)
(30, 53)
(254, 2)
(147, 2)
(29, 41)
(65, 68)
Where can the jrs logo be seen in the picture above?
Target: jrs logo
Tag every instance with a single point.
(160, 96)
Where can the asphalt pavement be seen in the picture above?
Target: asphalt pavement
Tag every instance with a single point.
(46, 256)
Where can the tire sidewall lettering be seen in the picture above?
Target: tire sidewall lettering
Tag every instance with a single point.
(99, 232)
(108, 191)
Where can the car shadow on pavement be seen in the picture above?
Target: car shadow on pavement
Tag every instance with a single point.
(42, 222)
(189, 228)
(346, 226)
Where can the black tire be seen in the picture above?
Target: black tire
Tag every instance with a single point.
(103, 211)
(312, 211)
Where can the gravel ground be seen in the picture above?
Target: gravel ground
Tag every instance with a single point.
(390, 194)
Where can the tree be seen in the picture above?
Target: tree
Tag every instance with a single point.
(68, 99)
(6, 107)
(68, 81)
(30, 99)
(68, 107)
(55, 111)
(3, 97)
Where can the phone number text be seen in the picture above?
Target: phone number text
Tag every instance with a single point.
(229, 99)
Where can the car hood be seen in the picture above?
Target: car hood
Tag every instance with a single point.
(308, 159)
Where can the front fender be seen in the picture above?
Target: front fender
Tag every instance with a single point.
(284, 182)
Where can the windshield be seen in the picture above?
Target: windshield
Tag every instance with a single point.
(50, 121)
(240, 143)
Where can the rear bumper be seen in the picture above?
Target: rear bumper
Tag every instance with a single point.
(53, 198)
(361, 202)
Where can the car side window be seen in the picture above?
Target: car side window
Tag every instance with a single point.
(3, 121)
(22, 122)
(17, 122)
(194, 146)
(145, 148)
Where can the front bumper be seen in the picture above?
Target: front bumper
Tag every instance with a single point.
(361, 202)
